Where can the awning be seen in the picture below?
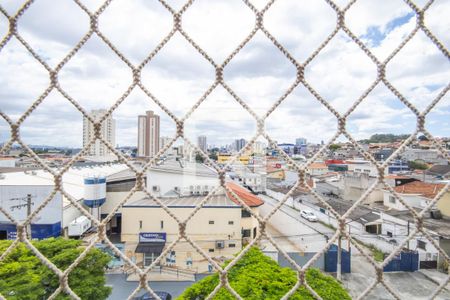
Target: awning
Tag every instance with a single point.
(150, 247)
(376, 222)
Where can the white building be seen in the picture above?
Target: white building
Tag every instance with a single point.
(8, 162)
(362, 166)
(179, 177)
(317, 169)
(426, 155)
(416, 194)
(60, 212)
(201, 143)
(259, 148)
(108, 132)
(148, 134)
(163, 141)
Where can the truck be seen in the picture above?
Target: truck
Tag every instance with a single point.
(79, 226)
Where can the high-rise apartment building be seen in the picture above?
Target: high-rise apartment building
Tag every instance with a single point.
(163, 141)
(300, 141)
(148, 134)
(201, 143)
(239, 144)
(108, 132)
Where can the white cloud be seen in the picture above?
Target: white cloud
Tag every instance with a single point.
(259, 74)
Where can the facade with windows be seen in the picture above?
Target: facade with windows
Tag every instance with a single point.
(219, 228)
(108, 132)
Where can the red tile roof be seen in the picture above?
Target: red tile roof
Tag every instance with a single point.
(318, 165)
(245, 195)
(428, 190)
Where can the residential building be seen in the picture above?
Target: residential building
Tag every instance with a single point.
(317, 168)
(163, 141)
(418, 194)
(201, 143)
(356, 184)
(398, 166)
(224, 158)
(148, 134)
(426, 155)
(287, 148)
(274, 172)
(259, 148)
(239, 144)
(362, 166)
(107, 132)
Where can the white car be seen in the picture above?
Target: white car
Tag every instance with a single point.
(308, 215)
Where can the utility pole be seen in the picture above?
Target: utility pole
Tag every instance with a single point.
(28, 214)
(339, 258)
(348, 240)
(28, 205)
(408, 235)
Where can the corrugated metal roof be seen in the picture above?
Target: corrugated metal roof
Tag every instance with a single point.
(220, 200)
(73, 179)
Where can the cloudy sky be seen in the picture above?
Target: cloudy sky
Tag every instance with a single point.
(259, 74)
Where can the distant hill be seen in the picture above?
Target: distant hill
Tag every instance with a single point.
(385, 138)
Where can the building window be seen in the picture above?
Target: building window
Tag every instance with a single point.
(389, 234)
(211, 250)
(245, 214)
(140, 224)
(155, 188)
(230, 222)
(162, 224)
(231, 245)
(421, 245)
(391, 199)
(246, 233)
(211, 222)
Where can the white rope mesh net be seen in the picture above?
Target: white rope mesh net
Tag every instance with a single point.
(54, 86)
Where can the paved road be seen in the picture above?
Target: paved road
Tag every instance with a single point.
(307, 236)
(409, 285)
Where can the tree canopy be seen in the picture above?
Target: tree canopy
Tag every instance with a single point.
(257, 276)
(417, 165)
(385, 138)
(334, 147)
(23, 276)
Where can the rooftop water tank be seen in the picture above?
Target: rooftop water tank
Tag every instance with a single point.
(94, 191)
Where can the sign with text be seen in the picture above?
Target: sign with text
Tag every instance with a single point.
(146, 237)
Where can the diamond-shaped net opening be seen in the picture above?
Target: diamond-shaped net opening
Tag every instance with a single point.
(300, 72)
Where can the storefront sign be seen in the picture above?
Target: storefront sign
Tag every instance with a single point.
(145, 237)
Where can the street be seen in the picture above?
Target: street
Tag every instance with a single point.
(306, 236)
(299, 233)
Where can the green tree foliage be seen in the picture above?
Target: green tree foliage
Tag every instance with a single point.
(199, 158)
(385, 138)
(334, 147)
(417, 165)
(23, 276)
(257, 276)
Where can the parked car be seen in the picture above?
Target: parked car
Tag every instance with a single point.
(148, 296)
(308, 215)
